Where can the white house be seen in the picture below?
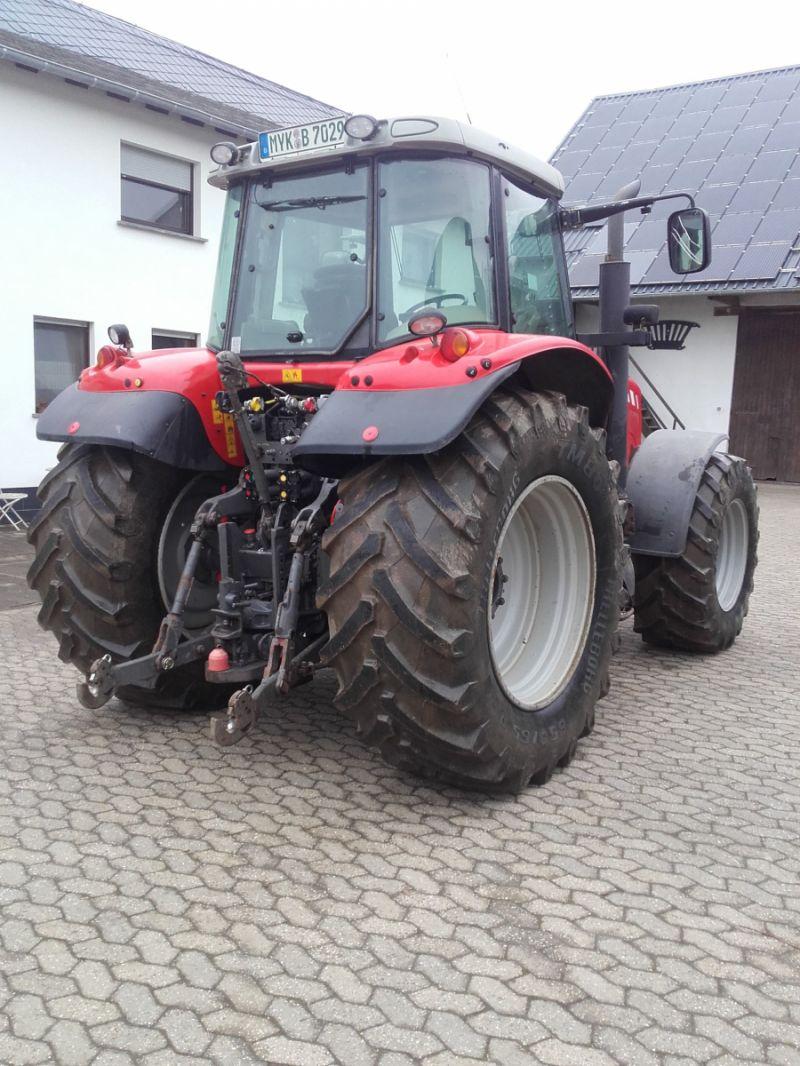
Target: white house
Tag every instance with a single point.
(734, 143)
(105, 214)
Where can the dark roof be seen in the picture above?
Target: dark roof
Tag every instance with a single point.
(732, 142)
(60, 34)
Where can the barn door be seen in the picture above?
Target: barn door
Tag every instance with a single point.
(765, 428)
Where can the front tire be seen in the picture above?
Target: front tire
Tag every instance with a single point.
(414, 581)
(698, 601)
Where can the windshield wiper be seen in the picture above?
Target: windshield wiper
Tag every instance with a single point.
(309, 201)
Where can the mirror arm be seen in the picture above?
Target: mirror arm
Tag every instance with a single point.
(573, 218)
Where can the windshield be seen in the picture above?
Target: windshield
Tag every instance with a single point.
(302, 278)
(434, 244)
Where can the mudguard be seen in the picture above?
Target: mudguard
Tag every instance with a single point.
(163, 425)
(366, 425)
(663, 480)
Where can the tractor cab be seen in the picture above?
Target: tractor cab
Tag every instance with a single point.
(333, 251)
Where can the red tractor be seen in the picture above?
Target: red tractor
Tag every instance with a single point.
(395, 458)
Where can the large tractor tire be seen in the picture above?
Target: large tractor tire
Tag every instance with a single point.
(698, 601)
(95, 567)
(474, 594)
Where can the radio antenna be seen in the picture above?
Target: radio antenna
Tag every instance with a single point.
(457, 81)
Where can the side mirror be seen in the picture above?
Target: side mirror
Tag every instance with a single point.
(689, 240)
(120, 335)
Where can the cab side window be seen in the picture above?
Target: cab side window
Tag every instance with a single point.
(539, 289)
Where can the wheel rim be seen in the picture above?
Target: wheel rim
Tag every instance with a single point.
(173, 546)
(542, 592)
(732, 554)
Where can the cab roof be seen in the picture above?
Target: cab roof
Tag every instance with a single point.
(404, 134)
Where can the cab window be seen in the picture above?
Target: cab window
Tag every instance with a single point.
(434, 243)
(539, 290)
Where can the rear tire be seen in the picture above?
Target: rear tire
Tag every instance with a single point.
(413, 582)
(95, 565)
(698, 602)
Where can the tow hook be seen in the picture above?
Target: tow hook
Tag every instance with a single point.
(240, 718)
(98, 688)
(247, 703)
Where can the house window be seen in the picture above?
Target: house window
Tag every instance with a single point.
(174, 338)
(157, 190)
(61, 352)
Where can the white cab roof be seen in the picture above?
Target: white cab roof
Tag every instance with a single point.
(408, 134)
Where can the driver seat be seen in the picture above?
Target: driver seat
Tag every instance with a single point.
(334, 299)
(453, 268)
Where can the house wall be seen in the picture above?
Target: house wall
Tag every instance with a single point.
(66, 256)
(696, 382)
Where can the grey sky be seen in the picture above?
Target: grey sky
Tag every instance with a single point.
(523, 70)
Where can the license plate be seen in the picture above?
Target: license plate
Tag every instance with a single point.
(297, 139)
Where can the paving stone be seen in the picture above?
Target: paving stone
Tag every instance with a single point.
(295, 901)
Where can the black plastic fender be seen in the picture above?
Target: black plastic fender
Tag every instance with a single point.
(163, 425)
(398, 421)
(663, 480)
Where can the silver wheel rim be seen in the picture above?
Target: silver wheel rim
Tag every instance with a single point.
(732, 554)
(542, 592)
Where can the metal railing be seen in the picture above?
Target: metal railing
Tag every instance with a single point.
(676, 421)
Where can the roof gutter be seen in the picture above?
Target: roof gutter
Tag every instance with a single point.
(116, 89)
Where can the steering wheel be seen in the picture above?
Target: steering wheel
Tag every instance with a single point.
(435, 301)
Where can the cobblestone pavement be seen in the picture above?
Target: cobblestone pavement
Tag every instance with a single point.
(293, 900)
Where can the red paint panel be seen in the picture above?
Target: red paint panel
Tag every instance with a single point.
(418, 364)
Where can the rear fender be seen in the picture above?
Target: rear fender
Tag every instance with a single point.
(410, 401)
(163, 425)
(663, 480)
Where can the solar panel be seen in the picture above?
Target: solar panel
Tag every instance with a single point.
(747, 141)
(672, 151)
(706, 98)
(788, 195)
(602, 160)
(690, 175)
(671, 103)
(715, 199)
(619, 134)
(656, 179)
(689, 125)
(761, 262)
(771, 165)
(785, 135)
(708, 146)
(734, 229)
(733, 143)
(763, 113)
(640, 264)
(635, 156)
(779, 226)
(604, 112)
(725, 118)
(637, 109)
(654, 129)
(723, 260)
(571, 163)
(649, 235)
(587, 137)
(586, 273)
(729, 169)
(754, 196)
(780, 87)
(581, 188)
(791, 113)
(742, 92)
